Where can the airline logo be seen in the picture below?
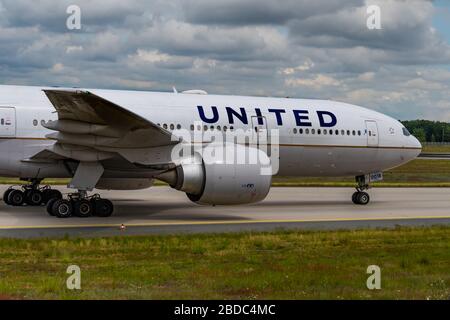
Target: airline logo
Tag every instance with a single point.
(302, 117)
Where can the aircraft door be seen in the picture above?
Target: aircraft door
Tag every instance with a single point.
(372, 133)
(260, 132)
(7, 122)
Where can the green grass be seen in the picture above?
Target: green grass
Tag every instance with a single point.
(417, 173)
(436, 148)
(415, 264)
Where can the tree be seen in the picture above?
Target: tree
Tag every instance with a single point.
(419, 133)
(433, 130)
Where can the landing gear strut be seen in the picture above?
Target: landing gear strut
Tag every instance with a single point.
(31, 194)
(80, 205)
(360, 196)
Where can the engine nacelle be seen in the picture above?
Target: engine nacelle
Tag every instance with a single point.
(221, 183)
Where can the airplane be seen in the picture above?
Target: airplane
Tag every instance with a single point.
(125, 140)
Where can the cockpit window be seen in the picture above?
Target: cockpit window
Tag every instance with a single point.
(406, 132)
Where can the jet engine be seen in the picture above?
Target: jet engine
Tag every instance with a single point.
(219, 182)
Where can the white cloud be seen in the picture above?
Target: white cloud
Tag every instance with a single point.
(307, 65)
(317, 82)
(57, 67)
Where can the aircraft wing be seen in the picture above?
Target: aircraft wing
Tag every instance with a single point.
(102, 122)
(91, 128)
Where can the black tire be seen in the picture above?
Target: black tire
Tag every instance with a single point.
(50, 206)
(49, 194)
(363, 198)
(5, 196)
(62, 208)
(355, 198)
(83, 208)
(103, 208)
(33, 197)
(16, 198)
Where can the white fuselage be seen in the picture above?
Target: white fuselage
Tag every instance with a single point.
(317, 137)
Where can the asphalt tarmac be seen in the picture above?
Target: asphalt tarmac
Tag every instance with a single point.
(161, 210)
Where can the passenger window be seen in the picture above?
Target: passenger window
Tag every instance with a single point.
(301, 131)
(225, 128)
(205, 128)
(319, 131)
(199, 127)
(295, 130)
(35, 122)
(354, 132)
(307, 131)
(165, 126)
(218, 128)
(342, 133)
(348, 132)
(178, 126)
(325, 131)
(359, 132)
(2, 121)
(313, 131)
(192, 127)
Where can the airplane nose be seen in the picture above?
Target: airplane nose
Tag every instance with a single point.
(415, 144)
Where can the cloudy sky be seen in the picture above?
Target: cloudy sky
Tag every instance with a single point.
(296, 48)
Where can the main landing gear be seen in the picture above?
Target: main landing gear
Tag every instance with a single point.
(360, 196)
(80, 205)
(31, 195)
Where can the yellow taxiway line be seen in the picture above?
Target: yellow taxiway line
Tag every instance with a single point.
(219, 222)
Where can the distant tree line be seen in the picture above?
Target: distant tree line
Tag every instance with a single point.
(429, 131)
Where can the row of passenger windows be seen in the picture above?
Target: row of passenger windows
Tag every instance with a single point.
(198, 127)
(327, 131)
(295, 130)
(35, 122)
(225, 128)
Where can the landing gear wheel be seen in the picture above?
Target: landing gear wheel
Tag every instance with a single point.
(83, 208)
(363, 198)
(16, 198)
(103, 207)
(50, 206)
(33, 197)
(62, 208)
(49, 194)
(354, 197)
(5, 196)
